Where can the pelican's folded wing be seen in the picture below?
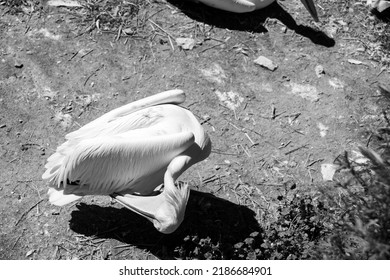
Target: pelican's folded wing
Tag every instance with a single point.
(106, 165)
(235, 6)
(93, 128)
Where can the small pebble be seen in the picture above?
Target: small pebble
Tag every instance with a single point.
(18, 64)
(319, 71)
(266, 63)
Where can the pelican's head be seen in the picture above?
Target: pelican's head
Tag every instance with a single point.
(170, 214)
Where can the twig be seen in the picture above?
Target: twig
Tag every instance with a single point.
(212, 179)
(245, 151)
(73, 56)
(118, 36)
(170, 42)
(273, 112)
(222, 153)
(253, 143)
(55, 253)
(13, 246)
(25, 213)
(235, 126)
(369, 140)
(284, 145)
(11, 161)
(87, 53)
(313, 162)
(162, 29)
(296, 149)
(206, 49)
(94, 72)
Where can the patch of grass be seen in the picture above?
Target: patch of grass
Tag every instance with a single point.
(361, 213)
(301, 224)
(113, 15)
(15, 6)
(353, 20)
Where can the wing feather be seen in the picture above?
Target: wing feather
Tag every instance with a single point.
(111, 164)
(235, 6)
(93, 128)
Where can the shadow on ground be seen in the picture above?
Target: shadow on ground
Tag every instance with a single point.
(209, 222)
(253, 21)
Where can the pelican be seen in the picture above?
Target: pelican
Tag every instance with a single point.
(379, 5)
(380, 8)
(134, 153)
(245, 6)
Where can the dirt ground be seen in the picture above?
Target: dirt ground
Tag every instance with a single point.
(270, 130)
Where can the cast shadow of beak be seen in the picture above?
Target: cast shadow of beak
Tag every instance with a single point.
(252, 22)
(208, 221)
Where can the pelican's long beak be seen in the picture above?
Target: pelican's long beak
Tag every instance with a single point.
(311, 7)
(142, 205)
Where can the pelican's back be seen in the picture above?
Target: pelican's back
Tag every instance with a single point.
(124, 152)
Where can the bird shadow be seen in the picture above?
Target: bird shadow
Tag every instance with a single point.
(253, 21)
(211, 224)
(384, 16)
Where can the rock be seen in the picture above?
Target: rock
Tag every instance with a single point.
(319, 71)
(266, 63)
(128, 31)
(323, 129)
(185, 43)
(354, 61)
(328, 170)
(18, 64)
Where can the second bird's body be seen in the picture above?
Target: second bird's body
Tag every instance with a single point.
(245, 6)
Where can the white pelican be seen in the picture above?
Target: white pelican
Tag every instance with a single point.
(128, 153)
(245, 6)
(379, 5)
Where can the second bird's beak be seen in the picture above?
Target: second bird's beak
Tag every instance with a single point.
(310, 6)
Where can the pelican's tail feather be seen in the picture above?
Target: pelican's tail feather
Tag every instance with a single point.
(54, 164)
(57, 197)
